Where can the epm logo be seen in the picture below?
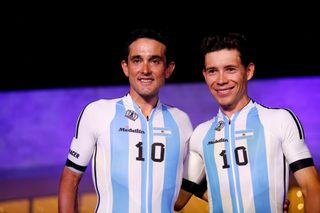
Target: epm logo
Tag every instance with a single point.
(132, 115)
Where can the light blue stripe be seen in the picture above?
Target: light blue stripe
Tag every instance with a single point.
(119, 160)
(162, 134)
(211, 169)
(258, 162)
(171, 160)
(235, 165)
(144, 163)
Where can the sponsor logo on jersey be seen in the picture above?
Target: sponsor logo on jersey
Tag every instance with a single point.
(219, 126)
(132, 115)
(221, 140)
(127, 129)
(74, 154)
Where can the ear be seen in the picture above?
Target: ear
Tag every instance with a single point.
(124, 66)
(169, 69)
(204, 73)
(250, 71)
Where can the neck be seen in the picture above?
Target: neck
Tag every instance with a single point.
(146, 104)
(229, 110)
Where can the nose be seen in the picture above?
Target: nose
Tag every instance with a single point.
(221, 78)
(145, 69)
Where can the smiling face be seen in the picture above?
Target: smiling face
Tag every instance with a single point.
(227, 79)
(146, 68)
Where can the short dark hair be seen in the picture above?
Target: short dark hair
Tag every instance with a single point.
(156, 34)
(229, 41)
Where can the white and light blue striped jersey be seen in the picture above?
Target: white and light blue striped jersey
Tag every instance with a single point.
(246, 159)
(137, 162)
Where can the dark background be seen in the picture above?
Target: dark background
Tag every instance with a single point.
(50, 46)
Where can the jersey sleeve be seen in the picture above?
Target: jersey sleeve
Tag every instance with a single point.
(187, 130)
(83, 142)
(194, 168)
(293, 142)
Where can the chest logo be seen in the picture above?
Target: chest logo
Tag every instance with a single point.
(221, 140)
(219, 126)
(132, 115)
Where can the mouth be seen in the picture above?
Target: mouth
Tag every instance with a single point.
(224, 91)
(145, 80)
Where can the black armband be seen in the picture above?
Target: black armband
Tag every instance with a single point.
(69, 163)
(196, 189)
(300, 164)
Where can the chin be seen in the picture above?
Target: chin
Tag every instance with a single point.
(147, 93)
(224, 103)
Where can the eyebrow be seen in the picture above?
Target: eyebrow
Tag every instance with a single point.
(150, 58)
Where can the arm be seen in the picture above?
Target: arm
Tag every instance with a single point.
(182, 200)
(194, 181)
(68, 191)
(309, 183)
(188, 189)
(205, 196)
(184, 197)
(286, 205)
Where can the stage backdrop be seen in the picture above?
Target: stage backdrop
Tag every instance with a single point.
(36, 126)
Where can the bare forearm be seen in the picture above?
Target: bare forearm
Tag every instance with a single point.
(68, 200)
(312, 201)
(309, 182)
(68, 192)
(182, 200)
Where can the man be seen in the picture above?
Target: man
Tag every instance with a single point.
(137, 143)
(246, 150)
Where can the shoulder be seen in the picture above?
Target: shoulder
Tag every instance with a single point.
(102, 104)
(203, 127)
(98, 107)
(275, 113)
(176, 112)
(199, 134)
(180, 116)
(279, 119)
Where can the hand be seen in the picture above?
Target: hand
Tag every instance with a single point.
(286, 205)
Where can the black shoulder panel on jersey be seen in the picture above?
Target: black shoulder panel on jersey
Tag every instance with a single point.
(196, 189)
(69, 163)
(300, 164)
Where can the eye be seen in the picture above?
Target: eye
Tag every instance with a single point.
(136, 60)
(231, 69)
(211, 71)
(156, 60)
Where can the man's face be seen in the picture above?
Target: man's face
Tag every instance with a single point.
(227, 78)
(146, 67)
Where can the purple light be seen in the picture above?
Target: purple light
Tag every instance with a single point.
(36, 126)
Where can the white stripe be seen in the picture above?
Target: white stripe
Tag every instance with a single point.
(134, 168)
(245, 171)
(223, 175)
(157, 180)
(103, 170)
